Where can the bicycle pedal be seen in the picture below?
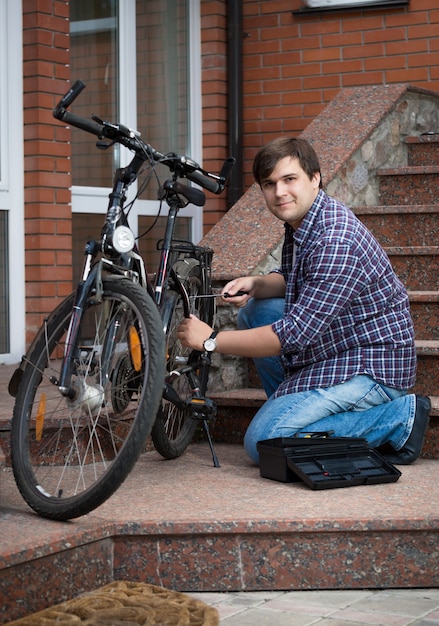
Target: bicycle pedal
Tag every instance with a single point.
(203, 407)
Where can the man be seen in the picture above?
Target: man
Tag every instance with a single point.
(330, 331)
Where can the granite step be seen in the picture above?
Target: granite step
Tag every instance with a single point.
(423, 150)
(394, 225)
(236, 409)
(255, 398)
(188, 526)
(416, 266)
(424, 308)
(416, 184)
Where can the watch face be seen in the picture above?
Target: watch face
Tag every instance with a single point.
(210, 345)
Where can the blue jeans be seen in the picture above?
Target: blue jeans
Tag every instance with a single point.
(360, 407)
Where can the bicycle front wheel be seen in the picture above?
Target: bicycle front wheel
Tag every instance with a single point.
(175, 425)
(70, 454)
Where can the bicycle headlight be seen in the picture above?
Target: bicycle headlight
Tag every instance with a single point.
(123, 239)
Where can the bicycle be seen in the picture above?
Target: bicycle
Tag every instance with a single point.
(105, 369)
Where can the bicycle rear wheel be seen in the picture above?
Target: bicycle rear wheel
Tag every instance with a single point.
(70, 455)
(176, 423)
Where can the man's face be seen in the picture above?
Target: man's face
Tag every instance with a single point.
(288, 191)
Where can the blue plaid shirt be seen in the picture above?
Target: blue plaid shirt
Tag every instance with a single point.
(346, 311)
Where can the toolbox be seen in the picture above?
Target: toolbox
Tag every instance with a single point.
(324, 462)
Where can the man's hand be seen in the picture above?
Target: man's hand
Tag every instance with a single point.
(269, 286)
(192, 333)
(239, 284)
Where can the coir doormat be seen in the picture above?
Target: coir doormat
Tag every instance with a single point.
(124, 603)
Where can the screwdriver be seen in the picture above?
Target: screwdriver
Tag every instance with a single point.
(223, 295)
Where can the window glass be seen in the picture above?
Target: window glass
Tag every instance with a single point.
(94, 60)
(163, 76)
(4, 195)
(4, 283)
(162, 79)
(85, 227)
(154, 230)
(157, 64)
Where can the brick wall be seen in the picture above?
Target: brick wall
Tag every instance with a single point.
(295, 64)
(46, 152)
(214, 98)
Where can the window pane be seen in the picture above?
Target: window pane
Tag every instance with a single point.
(4, 286)
(94, 59)
(85, 226)
(163, 76)
(148, 244)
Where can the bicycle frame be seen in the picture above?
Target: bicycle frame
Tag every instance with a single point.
(105, 368)
(122, 264)
(127, 263)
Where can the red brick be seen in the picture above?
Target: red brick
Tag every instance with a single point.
(371, 78)
(321, 54)
(365, 24)
(360, 52)
(342, 67)
(407, 76)
(410, 47)
(407, 19)
(384, 35)
(422, 60)
(385, 63)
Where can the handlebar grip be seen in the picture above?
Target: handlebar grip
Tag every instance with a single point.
(227, 168)
(70, 96)
(81, 122)
(204, 181)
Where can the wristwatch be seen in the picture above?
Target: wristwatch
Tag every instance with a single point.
(210, 344)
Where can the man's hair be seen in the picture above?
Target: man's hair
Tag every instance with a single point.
(267, 157)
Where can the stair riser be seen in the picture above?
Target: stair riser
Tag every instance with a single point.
(427, 375)
(425, 319)
(417, 229)
(424, 153)
(418, 273)
(406, 189)
(232, 422)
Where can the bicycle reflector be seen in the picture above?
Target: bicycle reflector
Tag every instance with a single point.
(123, 239)
(135, 348)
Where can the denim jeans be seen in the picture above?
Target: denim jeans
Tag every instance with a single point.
(360, 407)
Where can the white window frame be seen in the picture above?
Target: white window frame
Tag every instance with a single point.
(95, 199)
(12, 164)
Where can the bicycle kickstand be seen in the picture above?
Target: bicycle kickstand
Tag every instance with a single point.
(209, 439)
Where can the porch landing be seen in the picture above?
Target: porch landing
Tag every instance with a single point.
(191, 527)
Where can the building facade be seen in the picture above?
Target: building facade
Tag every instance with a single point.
(200, 77)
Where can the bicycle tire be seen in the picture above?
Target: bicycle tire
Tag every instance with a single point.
(174, 428)
(69, 456)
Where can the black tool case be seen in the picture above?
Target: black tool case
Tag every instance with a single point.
(324, 462)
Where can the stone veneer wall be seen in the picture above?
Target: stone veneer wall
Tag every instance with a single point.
(360, 131)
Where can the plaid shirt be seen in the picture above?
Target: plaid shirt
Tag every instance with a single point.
(346, 311)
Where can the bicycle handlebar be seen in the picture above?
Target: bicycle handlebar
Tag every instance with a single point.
(183, 166)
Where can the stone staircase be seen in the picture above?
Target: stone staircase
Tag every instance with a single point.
(405, 219)
(407, 226)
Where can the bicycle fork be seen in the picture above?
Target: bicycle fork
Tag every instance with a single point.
(91, 396)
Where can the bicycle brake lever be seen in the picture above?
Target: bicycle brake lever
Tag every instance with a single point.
(104, 146)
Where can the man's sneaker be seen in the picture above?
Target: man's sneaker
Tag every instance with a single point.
(413, 446)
